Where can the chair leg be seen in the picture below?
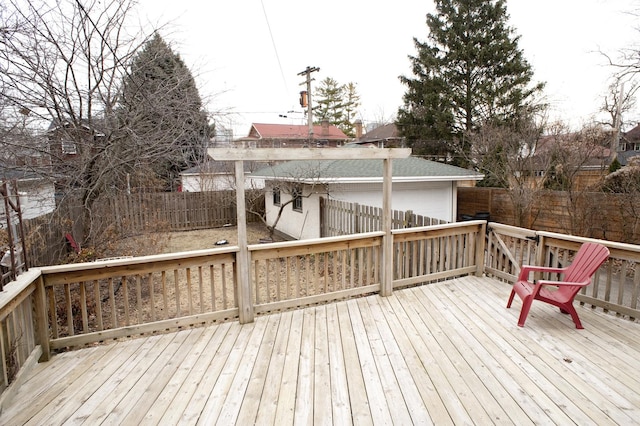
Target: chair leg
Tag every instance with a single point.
(526, 306)
(513, 293)
(574, 315)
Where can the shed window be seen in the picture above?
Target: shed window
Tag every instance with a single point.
(297, 199)
(276, 196)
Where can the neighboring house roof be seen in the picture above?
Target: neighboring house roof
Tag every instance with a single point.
(632, 135)
(56, 124)
(385, 132)
(410, 169)
(295, 131)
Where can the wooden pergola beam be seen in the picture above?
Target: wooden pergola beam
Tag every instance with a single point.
(276, 154)
(243, 261)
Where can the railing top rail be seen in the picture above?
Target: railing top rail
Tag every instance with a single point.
(573, 238)
(314, 241)
(74, 267)
(512, 230)
(470, 223)
(22, 282)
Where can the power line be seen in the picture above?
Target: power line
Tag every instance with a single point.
(275, 49)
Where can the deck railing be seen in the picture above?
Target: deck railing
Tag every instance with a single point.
(72, 305)
(615, 286)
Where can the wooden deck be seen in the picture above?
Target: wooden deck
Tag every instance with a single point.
(444, 353)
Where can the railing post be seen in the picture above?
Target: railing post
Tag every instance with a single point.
(540, 250)
(480, 250)
(245, 307)
(42, 322)
(386, 286)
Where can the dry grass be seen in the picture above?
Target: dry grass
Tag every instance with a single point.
(173, 242)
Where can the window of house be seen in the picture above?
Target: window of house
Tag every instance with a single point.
(622, 146)
(68, 147)
(636, 146)
(297, 199)
(276, 196)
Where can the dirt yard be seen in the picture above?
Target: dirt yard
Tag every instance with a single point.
(172, 242)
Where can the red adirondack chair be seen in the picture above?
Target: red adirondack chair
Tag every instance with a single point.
(559, 293)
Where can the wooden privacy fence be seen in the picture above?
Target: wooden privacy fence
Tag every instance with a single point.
(176, 211)
(134, 214)
(606, 216)
(345, 218)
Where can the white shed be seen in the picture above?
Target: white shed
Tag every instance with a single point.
(219, 176)
(428, 188)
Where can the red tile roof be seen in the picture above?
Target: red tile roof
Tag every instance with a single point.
(295, 131)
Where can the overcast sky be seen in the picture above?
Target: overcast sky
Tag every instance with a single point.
(246, 54)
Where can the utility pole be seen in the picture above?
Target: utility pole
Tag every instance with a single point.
(307, 73)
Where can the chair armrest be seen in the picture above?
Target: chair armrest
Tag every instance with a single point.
(526, 269)
(564, 283)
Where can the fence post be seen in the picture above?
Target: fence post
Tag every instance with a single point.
(407, 219)
(356, 218)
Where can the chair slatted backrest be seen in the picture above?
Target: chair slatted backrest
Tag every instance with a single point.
(585, 263)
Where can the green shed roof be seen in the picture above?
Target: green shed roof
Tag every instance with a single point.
(403, 169)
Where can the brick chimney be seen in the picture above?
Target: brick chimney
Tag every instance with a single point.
(325, 128)
(358, 125)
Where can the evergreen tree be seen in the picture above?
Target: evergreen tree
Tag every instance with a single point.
(337, 103)
(469, 72)
(352, 102)
(162, 112)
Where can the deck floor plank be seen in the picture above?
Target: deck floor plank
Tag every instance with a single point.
(554, 386)
(412, 347)
(322, 403)
(47, 383)
(572, 386)
(287, 397)
(374, 387)
(196, 404)
(339, 394)
(263, 328)
(383, 315)
(82, 389)
(444, 353)
(385, 369)
(358, 401)
(305, 380)
(258, 384)
(220, 391)
(129, 377)
(184, 395)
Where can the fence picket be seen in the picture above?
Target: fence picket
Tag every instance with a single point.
(344, 218)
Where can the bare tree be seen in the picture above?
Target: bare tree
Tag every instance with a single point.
(619, 100)
(505, 153)
(626, 183)
(576, 163)
(287, 185)
(64, 66)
